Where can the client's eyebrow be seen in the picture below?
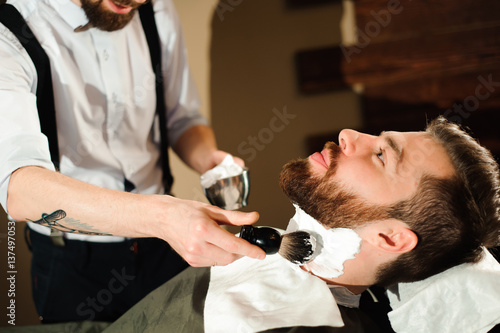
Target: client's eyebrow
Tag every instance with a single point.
(394, 146)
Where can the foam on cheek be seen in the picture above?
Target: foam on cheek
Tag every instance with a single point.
(333, 246)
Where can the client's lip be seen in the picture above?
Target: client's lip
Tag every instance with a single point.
(321, 158)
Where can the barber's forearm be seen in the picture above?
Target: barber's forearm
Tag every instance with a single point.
(191, 228)
(74, 206)
(196, 147)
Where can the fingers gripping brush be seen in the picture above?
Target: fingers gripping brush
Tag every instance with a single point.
(297, 247)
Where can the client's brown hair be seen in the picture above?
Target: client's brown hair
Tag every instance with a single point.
(453, 218)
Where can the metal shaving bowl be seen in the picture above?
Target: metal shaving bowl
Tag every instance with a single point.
(230, 193)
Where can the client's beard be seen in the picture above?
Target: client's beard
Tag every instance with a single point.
(325, 200)
(105, 20)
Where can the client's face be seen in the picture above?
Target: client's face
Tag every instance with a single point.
(354, 183)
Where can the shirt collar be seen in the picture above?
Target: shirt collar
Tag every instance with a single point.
(70, 12)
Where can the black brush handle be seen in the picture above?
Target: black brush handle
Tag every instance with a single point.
(268, 239)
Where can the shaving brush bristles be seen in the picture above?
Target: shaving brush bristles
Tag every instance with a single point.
(297, 247)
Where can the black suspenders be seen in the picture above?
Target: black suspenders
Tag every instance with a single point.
(13, 20)
(149, 25)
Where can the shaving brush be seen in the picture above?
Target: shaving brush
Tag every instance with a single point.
(296, 247)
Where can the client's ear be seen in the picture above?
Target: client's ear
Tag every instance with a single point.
(396, 237)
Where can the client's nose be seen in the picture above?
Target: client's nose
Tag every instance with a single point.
(347, 141)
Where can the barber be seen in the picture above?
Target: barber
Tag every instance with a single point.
(102, 233)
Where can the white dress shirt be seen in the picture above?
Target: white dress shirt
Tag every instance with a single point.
(104, 92)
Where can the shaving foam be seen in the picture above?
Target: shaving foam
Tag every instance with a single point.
(333, 246)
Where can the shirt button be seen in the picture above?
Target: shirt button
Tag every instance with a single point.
(105, 55)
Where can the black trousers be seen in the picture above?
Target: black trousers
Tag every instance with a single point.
(97, 281)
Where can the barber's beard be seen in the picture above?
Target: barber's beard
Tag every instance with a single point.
(102, 18)
(325, 200)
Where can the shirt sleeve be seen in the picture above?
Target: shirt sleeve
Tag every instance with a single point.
(181, 96)
(21, 141)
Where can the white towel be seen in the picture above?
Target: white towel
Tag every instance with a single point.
(465, 298)
(252, 295)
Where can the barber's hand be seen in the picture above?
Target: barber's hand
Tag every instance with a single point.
(193, 230)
